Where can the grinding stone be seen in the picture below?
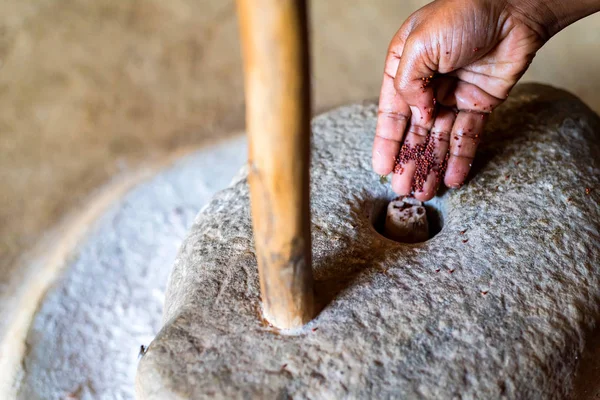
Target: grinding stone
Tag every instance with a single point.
(501, 310)
(84, 340)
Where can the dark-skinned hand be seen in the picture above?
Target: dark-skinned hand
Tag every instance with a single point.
(447, 68)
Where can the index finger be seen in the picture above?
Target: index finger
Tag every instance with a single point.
(393, 114)
(415, 74)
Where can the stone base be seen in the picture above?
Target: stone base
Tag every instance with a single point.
(497, 304)
(85, 338)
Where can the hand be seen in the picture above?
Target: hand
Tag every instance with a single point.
(447, 68)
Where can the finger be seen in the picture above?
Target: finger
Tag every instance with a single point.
(412, 155)
(497, 82)
(470, 97)
(445, 87)
(409, 160)
(393, 114)
(465, 137)
(415, 74)
(466, 96)
(406, 165)
(433, 164)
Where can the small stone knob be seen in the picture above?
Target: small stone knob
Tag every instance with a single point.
(406, 221)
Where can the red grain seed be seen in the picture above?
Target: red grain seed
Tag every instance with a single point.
(569, 199)
(588, 191)
(465, 241)
(425, 160)
(314, 329)
(484, 292)
(463, 232)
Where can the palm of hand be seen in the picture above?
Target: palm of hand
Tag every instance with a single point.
(446, 70)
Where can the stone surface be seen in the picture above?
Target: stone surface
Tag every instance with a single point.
(90, 87)
(85, 338)
(406, 221)
(502, 310)
(91, 90)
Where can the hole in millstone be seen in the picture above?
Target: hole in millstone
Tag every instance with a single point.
(408, 220)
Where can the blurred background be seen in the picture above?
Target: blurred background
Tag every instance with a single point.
(93, 90)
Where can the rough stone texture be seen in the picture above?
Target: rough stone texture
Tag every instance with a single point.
(88, 88)
(85, 338)
(503, 310)
(94, 89)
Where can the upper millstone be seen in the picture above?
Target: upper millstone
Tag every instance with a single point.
(496, 304)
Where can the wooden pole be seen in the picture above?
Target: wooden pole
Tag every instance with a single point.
(276, 71)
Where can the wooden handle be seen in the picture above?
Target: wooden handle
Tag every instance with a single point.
(276, 71)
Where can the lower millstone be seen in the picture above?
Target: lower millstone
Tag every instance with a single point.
(497, 304)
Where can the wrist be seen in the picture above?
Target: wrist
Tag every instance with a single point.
(548, 17)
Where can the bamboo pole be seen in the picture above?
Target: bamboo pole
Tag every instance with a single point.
(276, 71)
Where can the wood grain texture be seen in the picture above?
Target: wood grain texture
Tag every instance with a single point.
(276, 71)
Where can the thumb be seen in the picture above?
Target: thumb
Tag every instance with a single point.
(413, 81)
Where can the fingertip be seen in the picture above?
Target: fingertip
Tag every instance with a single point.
(430, 188)
(384, 155)
(381, 167)
(402, 184)
(424, 196)
(465, 138)
(457, 172)
(453, 183)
